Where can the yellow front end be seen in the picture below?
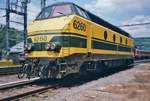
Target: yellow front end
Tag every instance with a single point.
(56, 30)
(43, 31)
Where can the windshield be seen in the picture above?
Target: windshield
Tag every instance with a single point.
(44, 13)
(54, 11)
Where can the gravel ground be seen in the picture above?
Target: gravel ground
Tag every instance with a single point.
(128, 85)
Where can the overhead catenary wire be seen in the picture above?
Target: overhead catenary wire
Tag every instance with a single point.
(2, 16)
(137, 24)
(128, 25)
(2, 8)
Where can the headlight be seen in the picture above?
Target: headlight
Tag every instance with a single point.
(47, 46)
(53, 46)
(28, 47)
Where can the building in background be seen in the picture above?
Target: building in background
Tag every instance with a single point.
(17, 53)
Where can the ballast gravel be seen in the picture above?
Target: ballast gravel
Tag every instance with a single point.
(129, 85)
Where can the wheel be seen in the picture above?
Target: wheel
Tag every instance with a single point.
(44, 72)
(41, 72)
(22, 71)
(35, 68)
(36, 71)
(28, 71)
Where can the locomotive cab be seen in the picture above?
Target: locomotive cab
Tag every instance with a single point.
(43, 31)
(55, 11)
(52, 31)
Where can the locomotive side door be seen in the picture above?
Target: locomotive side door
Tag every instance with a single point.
(89, 39)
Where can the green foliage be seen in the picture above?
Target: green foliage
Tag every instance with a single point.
(1, 41)
(14, 37)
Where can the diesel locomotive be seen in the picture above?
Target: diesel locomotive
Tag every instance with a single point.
(67, 39)
(141, 54)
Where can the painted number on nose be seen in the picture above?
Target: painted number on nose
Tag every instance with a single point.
(79, 25)
(40, 38)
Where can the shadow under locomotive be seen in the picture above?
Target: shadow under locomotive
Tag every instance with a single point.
(73, 80)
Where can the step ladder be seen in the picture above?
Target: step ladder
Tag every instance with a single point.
(65, 51)
(66, 48)
(63, 67)
(91, 67)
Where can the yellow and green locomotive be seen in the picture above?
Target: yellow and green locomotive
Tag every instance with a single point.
(65, 39)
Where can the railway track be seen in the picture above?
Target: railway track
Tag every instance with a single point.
(17, 83)
(14, 70)
(142, 61)
(7, 90)
(9, 70)
(27, 92)
(21, 89)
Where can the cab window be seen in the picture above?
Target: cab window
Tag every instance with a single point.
(81, 12)
(84, 14)
(45, 13)
(54, 11)
(61, 10)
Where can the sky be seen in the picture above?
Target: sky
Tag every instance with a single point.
(117, 12)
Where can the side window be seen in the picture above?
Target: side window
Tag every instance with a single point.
(105, 35)
(45, 13)
(126, 41)
(114, 38)
(84, 14)
(29, 40)
(81, 12)
(120, 40)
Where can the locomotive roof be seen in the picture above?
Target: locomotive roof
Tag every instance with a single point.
(97, 19)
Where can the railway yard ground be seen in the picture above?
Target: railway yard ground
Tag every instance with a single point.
(128, 85)
(8, 78)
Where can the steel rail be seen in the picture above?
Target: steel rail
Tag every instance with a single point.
(37, 90)
(142, 61)
(18, 83)
(5, 70)
(136, 62)
(21, 95)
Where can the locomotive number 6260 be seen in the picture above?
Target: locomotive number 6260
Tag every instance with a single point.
(79, 25)
(41, 38)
